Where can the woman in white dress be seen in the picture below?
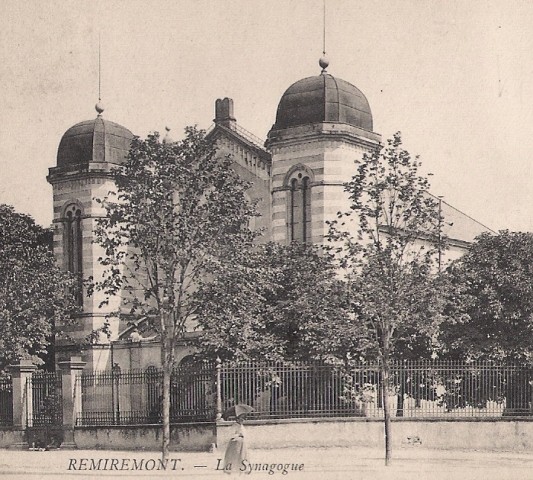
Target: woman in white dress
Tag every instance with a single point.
(236, 451)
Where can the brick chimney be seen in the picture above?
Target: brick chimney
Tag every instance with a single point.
(224, 112)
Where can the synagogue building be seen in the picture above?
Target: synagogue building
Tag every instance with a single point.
(322, 125)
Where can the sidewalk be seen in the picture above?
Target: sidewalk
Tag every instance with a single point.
(416, 463)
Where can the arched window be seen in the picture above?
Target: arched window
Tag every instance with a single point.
(73, 245)
(299, 204)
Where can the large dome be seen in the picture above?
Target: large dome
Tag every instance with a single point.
(95, 140)
(323, 98)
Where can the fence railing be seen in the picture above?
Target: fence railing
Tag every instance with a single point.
(6, 400)
(135, 396)
(284, 391)
(444, 389)
(417, 389)
(44, 399)
(201, 391)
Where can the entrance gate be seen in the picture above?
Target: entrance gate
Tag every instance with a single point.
(44, 407)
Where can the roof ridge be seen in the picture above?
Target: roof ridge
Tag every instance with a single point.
(338, 102)
(240, 135)
(461, 212)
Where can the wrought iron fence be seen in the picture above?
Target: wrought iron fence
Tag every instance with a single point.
(282, 390)
(135, 396)
(44, 391)
(6, 401)
(193, 393)
(417, 389)
(480, 389)
(299, 390)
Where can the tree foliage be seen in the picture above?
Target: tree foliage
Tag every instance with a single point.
(492, 315)
(35, 295)
(178, 207)
(282, 302)
(387, 244)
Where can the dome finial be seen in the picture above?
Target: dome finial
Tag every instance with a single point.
(323, 62)
(167, 138)
(99, 107)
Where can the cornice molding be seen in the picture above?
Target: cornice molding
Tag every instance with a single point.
(58, 175)
(320, 132)
(320, 183)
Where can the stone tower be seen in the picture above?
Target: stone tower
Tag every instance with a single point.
(323, 124)
(86, 155)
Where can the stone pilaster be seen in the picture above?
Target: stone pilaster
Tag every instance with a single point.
(71, 398)
(22, 398)
(21, 374)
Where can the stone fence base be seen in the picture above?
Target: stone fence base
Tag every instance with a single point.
(12, 438)
(505, 434)
(462, 434)
(183, 437)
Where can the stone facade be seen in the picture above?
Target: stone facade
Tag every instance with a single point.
(81, 189)
(324, 153)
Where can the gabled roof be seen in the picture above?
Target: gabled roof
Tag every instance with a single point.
(242, 136)
(459, 226)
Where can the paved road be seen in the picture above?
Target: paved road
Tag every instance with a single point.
(416, 463)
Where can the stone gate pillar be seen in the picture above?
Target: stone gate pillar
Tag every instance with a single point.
(71, 398)
(22, 398)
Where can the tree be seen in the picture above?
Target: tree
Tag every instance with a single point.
(231, 309)
(387, 244)
(36, 297)
(178, 207)
(281, 303)
(492, 315)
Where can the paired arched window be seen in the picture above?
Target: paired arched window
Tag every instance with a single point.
(299, 204)
(73, 244)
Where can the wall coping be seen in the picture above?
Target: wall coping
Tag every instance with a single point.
(146, 425)
(281, 421)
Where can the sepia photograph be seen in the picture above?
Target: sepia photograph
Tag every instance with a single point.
(284, 239)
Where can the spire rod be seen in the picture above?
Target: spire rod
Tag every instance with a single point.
(99, 68)
(324, 32)
(99, 107)
(324, 62)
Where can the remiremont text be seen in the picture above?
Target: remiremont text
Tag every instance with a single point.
(119, 464)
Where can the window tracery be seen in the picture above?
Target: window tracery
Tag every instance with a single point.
(299, 204)
(73, 245)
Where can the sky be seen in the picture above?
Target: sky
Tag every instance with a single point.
(454, 76)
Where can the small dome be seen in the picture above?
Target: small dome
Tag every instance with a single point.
(323, 98)
(95, 140)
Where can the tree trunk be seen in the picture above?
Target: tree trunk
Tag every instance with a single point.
(385, 384)
(166, 410)
(386, 411)
(167, 360)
